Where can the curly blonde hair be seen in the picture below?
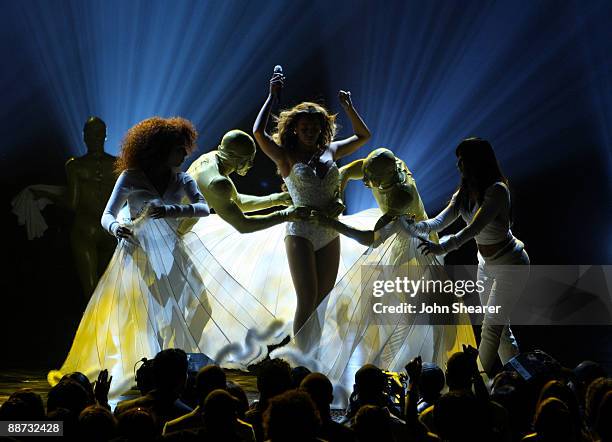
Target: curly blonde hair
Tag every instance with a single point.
(286, 123)
(150, 142)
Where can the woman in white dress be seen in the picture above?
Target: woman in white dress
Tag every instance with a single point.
(305, 154)
(157, 292)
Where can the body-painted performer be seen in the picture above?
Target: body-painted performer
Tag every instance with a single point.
(483, 201)
(304, 152)
(211, 171)
(157, 292)
(393, 188)
(90, 182)
(352, 334)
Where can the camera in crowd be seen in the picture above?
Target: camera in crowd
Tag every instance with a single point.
(397, 383)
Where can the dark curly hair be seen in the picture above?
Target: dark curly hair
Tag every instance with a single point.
(150, 142)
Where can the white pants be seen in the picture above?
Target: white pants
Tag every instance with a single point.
(504, 278)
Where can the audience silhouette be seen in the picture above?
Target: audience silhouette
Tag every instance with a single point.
(169, 376)
(455, 406)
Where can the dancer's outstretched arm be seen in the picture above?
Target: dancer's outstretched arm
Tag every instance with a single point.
(343, 148)
(245, 203)
(352, 171)
(494, 199)
(113, 206)
(197, 209)
(72, 198)
(252, 203)
(221, 200)
(384, 229)
(442, 220)
(425, 228)
(365, 237)
(68, 199)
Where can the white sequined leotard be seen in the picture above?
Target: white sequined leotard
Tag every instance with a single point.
(307, 189)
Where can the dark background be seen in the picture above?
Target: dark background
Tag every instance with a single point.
(532, 77)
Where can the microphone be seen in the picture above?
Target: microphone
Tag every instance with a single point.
(278, 69)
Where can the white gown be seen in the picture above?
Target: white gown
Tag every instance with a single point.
(350, 338)
(160, 291)
(258, 261)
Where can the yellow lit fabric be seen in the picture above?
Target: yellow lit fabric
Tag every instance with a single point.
(227, 295)
(350, 338)
(213, 291)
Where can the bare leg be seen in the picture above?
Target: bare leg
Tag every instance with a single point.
(302, 264)
(327, 261)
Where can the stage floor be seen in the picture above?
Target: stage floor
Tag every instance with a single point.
(11, 380)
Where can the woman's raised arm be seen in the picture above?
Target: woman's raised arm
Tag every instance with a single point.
(263, 138)
(343, 148)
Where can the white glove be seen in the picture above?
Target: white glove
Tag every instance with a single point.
(119, 231)
(415, 229)
(447, 244)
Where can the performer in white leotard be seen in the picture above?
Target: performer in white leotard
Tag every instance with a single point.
(308, 189)
(304, 152)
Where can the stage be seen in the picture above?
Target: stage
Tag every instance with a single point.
(12, 380)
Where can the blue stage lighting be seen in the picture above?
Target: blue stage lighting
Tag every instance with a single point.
(427, 74)
(208, 61)
(424, 75)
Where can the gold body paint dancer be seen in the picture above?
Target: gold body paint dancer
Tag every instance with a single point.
(211, 171)
(90, 182)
